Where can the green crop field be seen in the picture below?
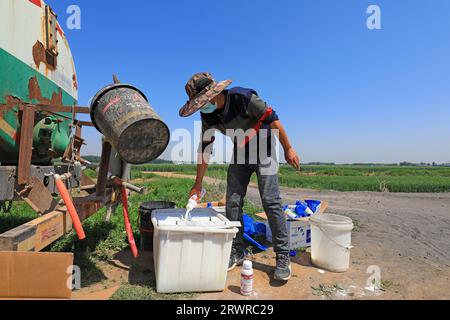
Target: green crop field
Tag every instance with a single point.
(339, 178)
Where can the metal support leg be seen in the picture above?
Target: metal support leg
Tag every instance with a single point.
(103, 172)
(110, 212)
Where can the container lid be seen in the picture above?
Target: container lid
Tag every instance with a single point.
(331, 220)
(201, 219)
(153, 205)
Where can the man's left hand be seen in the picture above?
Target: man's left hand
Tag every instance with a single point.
(292, 158)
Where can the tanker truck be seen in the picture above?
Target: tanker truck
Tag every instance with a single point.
(41, 134)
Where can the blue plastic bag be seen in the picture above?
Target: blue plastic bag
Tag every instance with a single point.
(314, 205)
(301, 209)
(252, 228)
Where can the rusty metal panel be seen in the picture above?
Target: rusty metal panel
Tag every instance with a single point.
(38, 197)
(87, 206)
(51, 31)
(26, 146)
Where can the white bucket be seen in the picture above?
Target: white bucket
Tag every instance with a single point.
(331, 238)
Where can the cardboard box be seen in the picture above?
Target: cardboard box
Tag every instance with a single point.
(299, 232)
(34, 275)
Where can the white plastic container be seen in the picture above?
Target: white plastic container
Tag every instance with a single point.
(191, 256)
(247, 278)
(331, 237)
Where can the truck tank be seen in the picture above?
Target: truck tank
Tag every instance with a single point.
(36, 67)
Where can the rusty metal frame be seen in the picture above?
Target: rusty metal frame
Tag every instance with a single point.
(26, 146)
(28, 112)
(36, 235)
(77, 144)
(56, 109)
(41, 232)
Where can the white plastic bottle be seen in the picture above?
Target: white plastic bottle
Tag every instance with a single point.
(193, 203)
(247, 278)
(290, 214)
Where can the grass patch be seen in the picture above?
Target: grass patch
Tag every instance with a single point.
(357, 225)
(129, 292)
(386, 285)
(20, 213)
(326, 291)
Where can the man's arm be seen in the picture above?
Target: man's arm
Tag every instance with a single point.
(202, 167)
(204, 154)
(290, 154)
(257, 108)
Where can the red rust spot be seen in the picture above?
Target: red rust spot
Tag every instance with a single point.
(36, 94)
(11, 103)
(38, 53)
(41, 55)
(75, 82)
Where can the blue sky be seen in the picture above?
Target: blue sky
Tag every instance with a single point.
(345, 93)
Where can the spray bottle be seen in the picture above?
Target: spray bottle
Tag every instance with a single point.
(247, 278)
(193, 203)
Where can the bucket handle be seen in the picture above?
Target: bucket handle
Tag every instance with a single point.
(332, 240)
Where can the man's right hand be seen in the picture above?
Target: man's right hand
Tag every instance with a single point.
(292, 158)
(196, 190)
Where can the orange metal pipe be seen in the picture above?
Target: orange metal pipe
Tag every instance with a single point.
(128, 227)
(70, 207)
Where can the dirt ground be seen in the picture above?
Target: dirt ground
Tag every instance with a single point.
(406, 235)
